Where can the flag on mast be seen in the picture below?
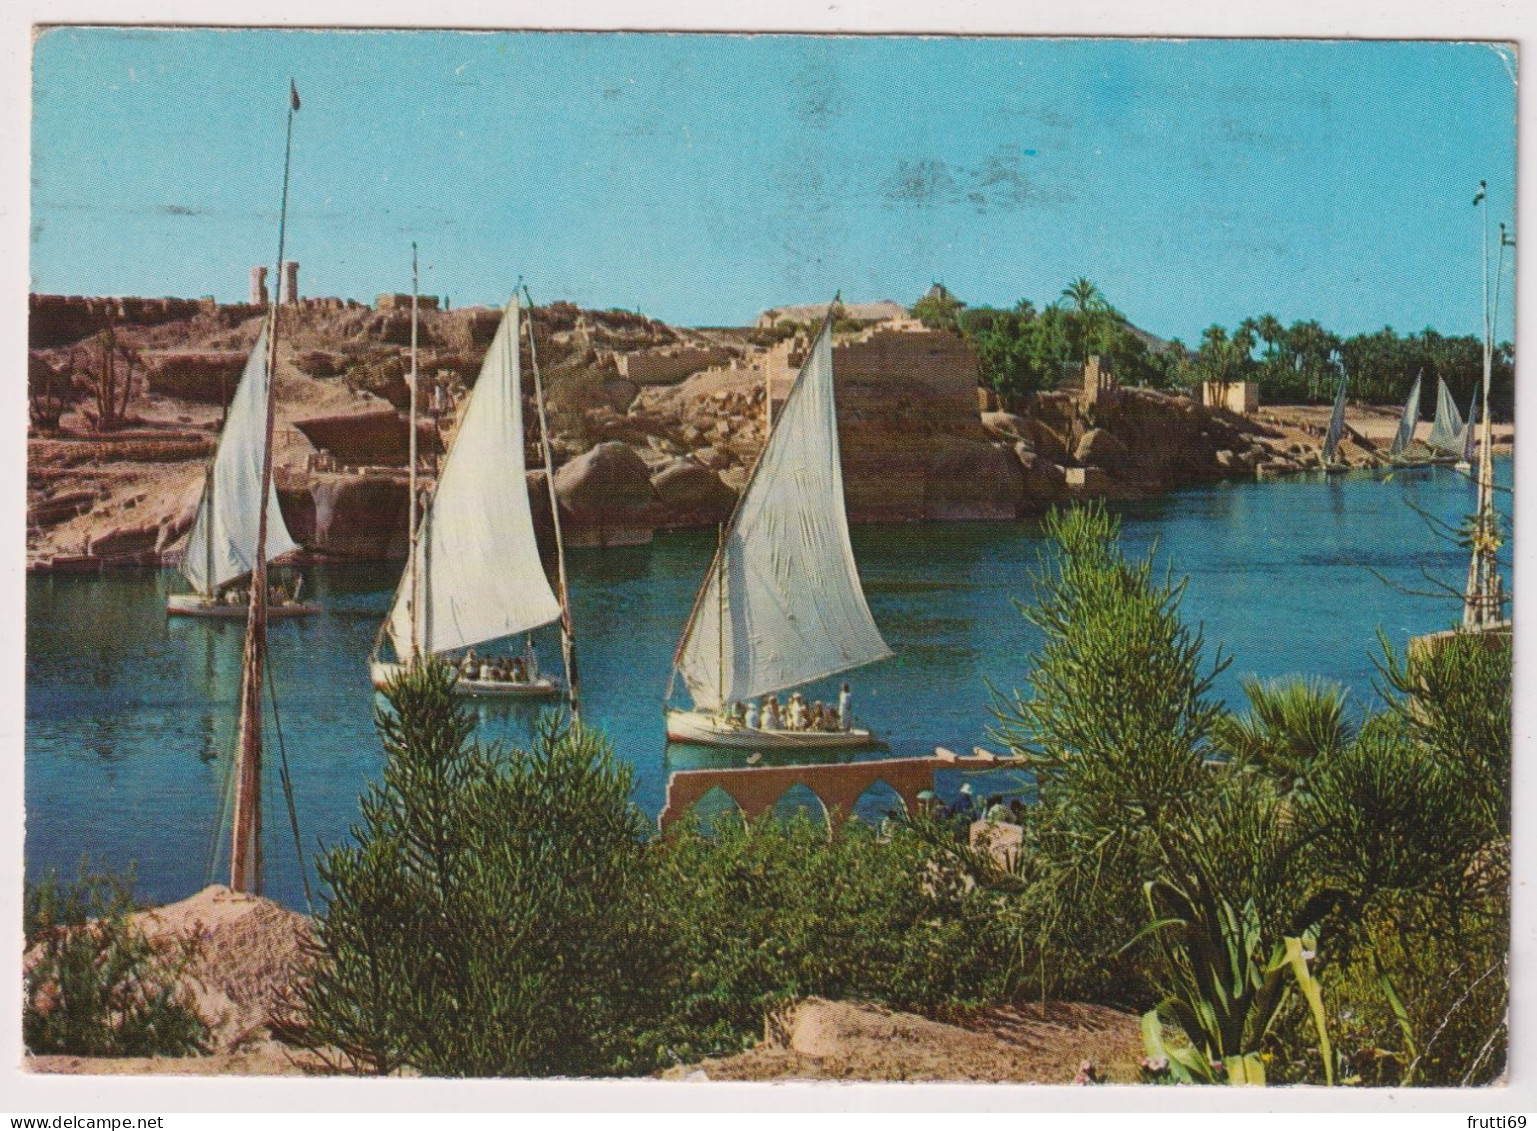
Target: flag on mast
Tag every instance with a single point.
(1483, 186)
(293, 95)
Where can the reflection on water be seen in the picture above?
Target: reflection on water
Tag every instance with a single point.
(131, 716)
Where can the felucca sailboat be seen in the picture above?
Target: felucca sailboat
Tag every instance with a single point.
(1336, 430)
(1403, 439)
(1447, 434)
(473, 574)
(781, 605)
(221, 546)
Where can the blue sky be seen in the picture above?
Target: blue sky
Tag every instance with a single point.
(704, 178)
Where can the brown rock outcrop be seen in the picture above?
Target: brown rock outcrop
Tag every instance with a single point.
(608, 494)
(205, 376)
(1102, 448)
(971, 479)
(691, 495)
(359, 516)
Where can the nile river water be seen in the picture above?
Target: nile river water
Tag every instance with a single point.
(131, 716)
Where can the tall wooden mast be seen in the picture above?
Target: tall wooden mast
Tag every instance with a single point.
(411, 444)
(1484, 599)
(245, 865)
(567, 627)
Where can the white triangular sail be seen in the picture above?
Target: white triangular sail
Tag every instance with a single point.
(1336, 425)
(1469, 437)
(1407, 422)
(474, 574)
(783, 605)
(1446, 432)
(222, 543)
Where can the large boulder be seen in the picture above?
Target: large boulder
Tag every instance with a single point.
(1101, 448)
(360, 516)
(971, 479)
(1045, 483)
(1006, 426)
(692, 494)
(607, 492)
(1047, 442)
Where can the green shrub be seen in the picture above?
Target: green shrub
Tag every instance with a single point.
(491, 916)
(782, 909)
(1256, 864)
(94, 985)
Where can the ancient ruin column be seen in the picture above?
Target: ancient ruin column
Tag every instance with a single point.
(258, 286)
(291, 281)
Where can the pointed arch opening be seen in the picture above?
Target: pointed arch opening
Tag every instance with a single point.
(799, 800)
(878, 803)
(715, 810)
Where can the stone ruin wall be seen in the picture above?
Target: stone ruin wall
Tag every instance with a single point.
(903, 398)
(58, 320)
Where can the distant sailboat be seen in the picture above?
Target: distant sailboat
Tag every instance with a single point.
(1336, 430)
(1404, 437)
(473, 573)
(782, 604)
(221, 546)
(1470, 435)
(1446, 434)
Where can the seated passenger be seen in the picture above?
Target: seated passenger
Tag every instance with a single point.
(750, 719)
(830, 718)
(519, 670)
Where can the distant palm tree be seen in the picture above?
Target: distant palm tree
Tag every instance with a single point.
(1270, 331)
(1083, 300)
(1084, 296)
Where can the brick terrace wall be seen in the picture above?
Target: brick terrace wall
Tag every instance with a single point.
(898, 393)
(668, 367)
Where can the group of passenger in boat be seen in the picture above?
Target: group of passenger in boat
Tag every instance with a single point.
(277, 594)
(794, 715)
(502, 669)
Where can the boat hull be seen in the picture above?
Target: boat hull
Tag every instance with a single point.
(192, 605)
(701, 728)
(382, 672)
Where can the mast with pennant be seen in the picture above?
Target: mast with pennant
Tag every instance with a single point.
(1484, 599)
(246, 832)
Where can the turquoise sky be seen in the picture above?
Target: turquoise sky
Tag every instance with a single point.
(704, 178)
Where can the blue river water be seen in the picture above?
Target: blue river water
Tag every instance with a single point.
(130, 717)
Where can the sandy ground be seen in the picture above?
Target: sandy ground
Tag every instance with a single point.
(1029, 1044)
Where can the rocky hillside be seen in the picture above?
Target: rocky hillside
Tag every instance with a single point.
(652, 426)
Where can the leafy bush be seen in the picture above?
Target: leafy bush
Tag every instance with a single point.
(94, 985)
(781, 909)
(1249, 858)
(491, 916)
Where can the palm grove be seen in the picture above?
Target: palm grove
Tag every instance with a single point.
(1024, 350)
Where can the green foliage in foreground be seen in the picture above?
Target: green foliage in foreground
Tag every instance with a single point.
(1253, 877)
(94, 986)
(491, 915)
(1287, 894)
(777, 910)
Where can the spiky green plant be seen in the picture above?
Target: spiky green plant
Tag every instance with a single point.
(1290, 725)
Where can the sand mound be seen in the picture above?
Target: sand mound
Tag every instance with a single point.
(245, 952)
(834, 1040)
(248, 952)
